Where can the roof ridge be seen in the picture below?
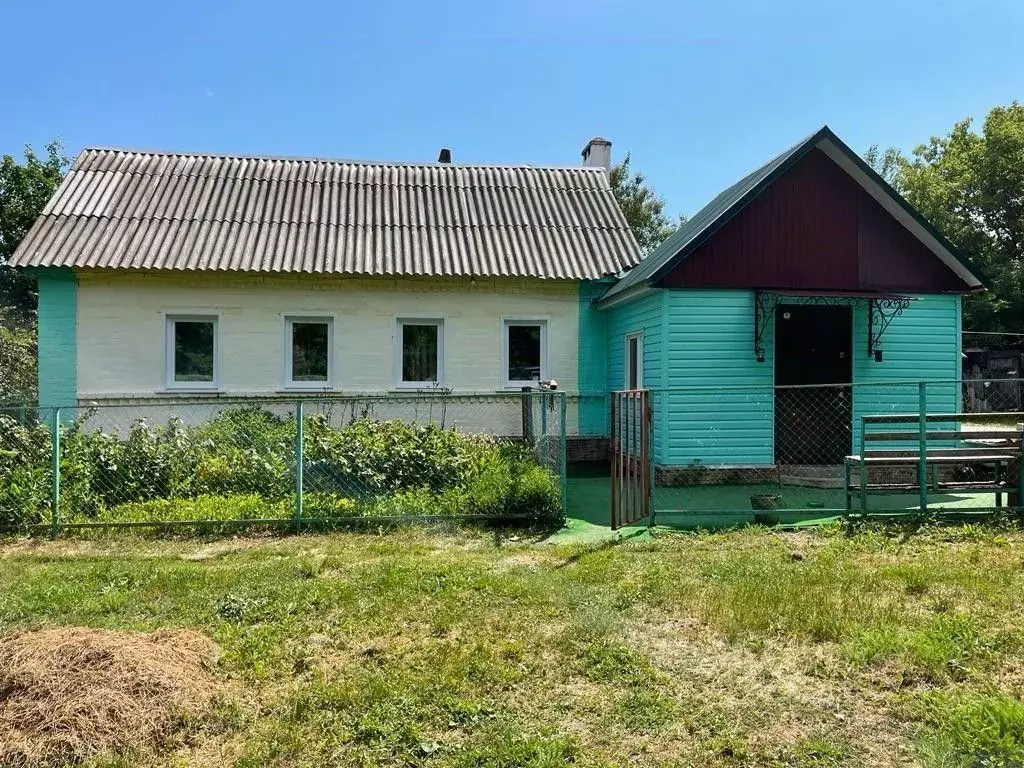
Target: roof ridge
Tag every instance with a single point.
(330, 160)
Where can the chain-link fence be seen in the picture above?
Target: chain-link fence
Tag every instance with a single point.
(785, 454)
(21, 411)
(301, 463)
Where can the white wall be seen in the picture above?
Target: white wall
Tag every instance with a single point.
(121, 328)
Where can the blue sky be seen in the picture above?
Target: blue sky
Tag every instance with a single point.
(699, 93)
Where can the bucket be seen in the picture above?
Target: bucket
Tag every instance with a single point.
(765, 501)
(764, 506)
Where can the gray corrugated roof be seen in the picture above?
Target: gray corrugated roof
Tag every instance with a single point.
(119, 209)
(732, 200)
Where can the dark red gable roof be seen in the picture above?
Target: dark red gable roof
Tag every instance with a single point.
(815, 228)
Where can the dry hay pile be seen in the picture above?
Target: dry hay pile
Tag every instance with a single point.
(72, 692)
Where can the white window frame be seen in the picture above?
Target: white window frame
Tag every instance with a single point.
(509, 322)
(170, 319)
(639, 337)
(309, 386)
(400, 324)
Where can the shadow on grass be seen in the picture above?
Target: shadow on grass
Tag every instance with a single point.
(593, 549)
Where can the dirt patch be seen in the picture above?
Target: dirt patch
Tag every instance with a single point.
(780, 693)
(69, 693)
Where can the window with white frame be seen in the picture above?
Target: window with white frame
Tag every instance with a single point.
(634, 361)
(420, 352)
(192, 354)
(308, 362)
(524, 350)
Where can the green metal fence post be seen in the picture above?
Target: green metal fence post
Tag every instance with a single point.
(564, 458)
(863, 469)
(298, 465)
(55, 471)
(922, 456)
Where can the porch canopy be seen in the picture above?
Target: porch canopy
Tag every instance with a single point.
(882, 309)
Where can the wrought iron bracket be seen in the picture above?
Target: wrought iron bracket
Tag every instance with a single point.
(881, 312)
(764, 309)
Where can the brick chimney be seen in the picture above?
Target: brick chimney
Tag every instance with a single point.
(597, 153)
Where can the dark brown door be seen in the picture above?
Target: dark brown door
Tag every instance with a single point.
(812, 349)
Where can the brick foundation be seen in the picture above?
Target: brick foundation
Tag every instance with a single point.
(584, 448)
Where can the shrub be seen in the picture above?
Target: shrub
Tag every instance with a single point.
(25, 456)
(241, 464)
(392, 455)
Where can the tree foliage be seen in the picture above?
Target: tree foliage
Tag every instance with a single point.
(971, 186)
(25, 188)
(643, 209)
(17, 361)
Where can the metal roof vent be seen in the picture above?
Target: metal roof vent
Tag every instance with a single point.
(445, 155)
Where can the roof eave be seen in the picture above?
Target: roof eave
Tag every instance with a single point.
(609, 299)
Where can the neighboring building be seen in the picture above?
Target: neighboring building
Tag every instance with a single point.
(169, 275)
(809, 271)
(174, 275)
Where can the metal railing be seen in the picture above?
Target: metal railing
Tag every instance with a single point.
(778, 454)
(301, 463)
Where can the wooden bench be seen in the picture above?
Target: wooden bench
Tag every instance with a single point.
(926, 444)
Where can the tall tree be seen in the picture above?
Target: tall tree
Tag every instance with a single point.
(643, 209)
(971, 186)
(24, 189)
(886, 164)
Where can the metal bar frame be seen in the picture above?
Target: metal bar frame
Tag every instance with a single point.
(630, 442)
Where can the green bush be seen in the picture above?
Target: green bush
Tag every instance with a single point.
(25, 457)
(241, 464)
(392, 455)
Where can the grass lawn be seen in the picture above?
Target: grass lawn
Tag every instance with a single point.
(750, 647)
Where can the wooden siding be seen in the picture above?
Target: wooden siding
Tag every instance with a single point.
(58, 322)
(815, 228)
(719, 405)
(644, 314)
(592, 361)
(923, 344)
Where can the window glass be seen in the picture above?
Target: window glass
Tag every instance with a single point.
(310, 351)
(633, 380)
(419, 352)
(524, 352)
(193, 350)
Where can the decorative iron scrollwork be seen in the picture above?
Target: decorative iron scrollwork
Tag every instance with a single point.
(764, 308)
(881, 312)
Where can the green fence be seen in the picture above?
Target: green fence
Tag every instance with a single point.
(298, 463)
(735, 454)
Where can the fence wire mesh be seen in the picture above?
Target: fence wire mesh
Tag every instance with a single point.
(780, 454)
(300, 462)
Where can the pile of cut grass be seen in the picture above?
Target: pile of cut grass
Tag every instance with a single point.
(68, 694)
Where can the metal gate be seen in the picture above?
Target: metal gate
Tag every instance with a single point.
(631, 456)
